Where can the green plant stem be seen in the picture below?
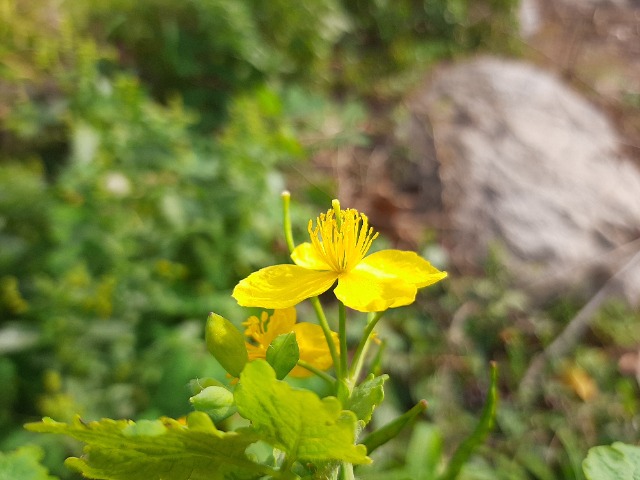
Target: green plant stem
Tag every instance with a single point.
(285, 468)
(342, 333)
(346, 471)
(358, 356)
(322, 321)
(286, 216)
(325, 376)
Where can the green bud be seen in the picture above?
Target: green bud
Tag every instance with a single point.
(226, 344)
(283, 354)
(198, 384)
(216, 401)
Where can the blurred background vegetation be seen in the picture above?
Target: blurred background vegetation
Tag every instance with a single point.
(143, 148)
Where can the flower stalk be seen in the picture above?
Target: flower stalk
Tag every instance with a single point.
(360, 353)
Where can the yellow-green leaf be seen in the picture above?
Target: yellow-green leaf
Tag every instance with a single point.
(297, 421)
(618, 461)
(161, 449)
(367, 396)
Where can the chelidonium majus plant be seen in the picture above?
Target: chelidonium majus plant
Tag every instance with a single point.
(292, 432)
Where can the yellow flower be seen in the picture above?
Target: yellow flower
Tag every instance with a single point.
(310, 337)
(338, 251)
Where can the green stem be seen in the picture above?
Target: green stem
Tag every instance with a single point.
(358, 356)
(286, 215)
(322, 320)
(342, 333)
(316, 371)
(346, 471)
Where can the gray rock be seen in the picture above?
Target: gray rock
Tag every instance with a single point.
(527, 165)
(529, 18)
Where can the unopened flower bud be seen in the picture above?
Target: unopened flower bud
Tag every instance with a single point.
(226, 344)
(216, 401)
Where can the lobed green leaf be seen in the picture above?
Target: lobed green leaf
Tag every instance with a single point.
(297, 421)
(159, 449)
(367, 396)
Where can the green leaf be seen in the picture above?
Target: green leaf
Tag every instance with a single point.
(283, 354)
(615, 462)
(297, 421)
(424, 452)
(23, 464)
(485, 425)
(215, 401)
(367, 396)
(160, 449)
(393, 428)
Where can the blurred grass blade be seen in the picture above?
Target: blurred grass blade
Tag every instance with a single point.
(393, 428)
(487, 421)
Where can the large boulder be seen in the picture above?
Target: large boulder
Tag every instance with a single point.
(528, 166)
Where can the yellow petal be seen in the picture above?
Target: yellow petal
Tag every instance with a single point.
(265, 329)
(313, 347)
(281, 286)
(365, 291)
(282, 321)
(307, 256)
(408, 266)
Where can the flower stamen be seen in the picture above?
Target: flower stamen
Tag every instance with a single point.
(342, 238)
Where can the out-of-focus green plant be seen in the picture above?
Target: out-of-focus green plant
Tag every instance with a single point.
(23, 464)
(209, 51)
(118, 222)
(387, 39)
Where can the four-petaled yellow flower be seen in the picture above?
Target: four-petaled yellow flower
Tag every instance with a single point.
(338, 251)
(310, 337)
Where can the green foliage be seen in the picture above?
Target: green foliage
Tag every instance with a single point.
(584, 399)
(23, 464)
(616, 462)
(367, 396)
(124, 450)
(391, 37)
(119, 223)
(209, 51)
(389, 431)
(485, 425)
(298, 422)
(424, 455)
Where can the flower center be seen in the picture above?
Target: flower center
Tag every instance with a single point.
(342, 241)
